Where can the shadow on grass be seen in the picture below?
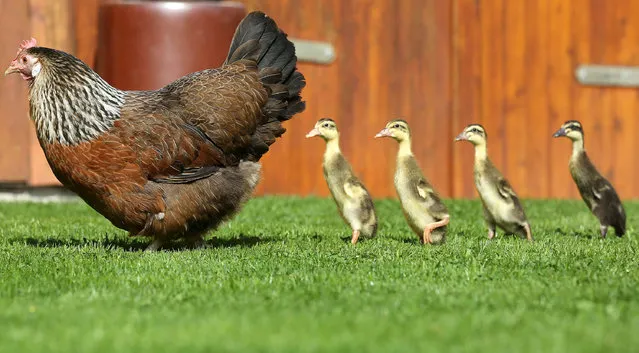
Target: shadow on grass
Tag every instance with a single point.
(134, 245)
(578, 234)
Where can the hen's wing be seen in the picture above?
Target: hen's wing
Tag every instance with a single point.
(224, 104)
(169, 150)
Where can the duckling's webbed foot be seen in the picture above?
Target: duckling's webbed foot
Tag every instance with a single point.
(355, 237)
(491, 233)
(431, 227)
(604, 230)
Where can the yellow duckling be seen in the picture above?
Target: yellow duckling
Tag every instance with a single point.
(424, 211)
(353, 201)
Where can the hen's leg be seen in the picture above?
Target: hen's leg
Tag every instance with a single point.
(429, 229)
(155, 245)
(197, 241)
(355, 237)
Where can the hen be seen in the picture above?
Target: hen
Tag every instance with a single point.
(171, 163)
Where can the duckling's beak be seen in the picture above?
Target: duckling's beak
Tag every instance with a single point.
(384, 133)
(461, 137)
(314, 132)
(559, 133)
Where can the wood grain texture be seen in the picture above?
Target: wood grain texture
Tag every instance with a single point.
(381, 72)
(14, 135)
(441, 65)
(51, 25)
(529, 51)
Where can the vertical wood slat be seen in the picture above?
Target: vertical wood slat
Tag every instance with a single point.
(14, 137)
(493, 85)
(559, 88)
(626, 108)
(51, 25)
(467, 82)
(535, 69)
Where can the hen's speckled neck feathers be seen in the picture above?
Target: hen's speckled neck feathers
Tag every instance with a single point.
(70, 103)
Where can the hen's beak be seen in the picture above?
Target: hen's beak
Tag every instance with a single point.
(461, 137)
(385, 132)
(313, 132)
(12, 69)
(559, 133)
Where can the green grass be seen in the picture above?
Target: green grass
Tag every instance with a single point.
(282, 277)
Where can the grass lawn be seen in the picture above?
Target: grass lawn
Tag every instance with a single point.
(282, 277)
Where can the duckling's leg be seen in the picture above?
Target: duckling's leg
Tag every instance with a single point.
(604, 230)
(528, 232)
(431, 227)
(490, 222)
(491, 231)
(355, 236)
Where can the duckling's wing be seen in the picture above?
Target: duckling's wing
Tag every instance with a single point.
(429, 196)
(507, 192)
(354, 188)
(607, 204)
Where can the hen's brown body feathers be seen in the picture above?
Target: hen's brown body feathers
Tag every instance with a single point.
(178, 161)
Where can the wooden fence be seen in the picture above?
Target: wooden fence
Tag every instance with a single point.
(508, 65)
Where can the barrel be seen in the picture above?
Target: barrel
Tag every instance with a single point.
(144, 45)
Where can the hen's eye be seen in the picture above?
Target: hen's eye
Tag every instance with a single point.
(24, 59)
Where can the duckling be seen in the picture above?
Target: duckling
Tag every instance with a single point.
(423, 209)
(597, 192)
(353, 201)
(500, 203)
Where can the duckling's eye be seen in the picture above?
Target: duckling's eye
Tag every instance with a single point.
(396, 126)
(325, 125)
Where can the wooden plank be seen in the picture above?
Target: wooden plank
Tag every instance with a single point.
(51, 26)
(516, 135)
(438, 134)
(584, 98)
(559, 88)
(624, 127)
(85, 29)
(14, 135)
(467, 92)
(536, 123)
(493, 87)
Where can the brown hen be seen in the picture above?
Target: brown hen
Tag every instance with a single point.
(171, 163)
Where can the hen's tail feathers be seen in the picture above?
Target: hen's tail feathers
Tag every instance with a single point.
(258, 39)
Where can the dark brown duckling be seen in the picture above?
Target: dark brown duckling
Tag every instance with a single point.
(501, 205)
(597, 192)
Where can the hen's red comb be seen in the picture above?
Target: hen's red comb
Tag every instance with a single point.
(26, 44)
